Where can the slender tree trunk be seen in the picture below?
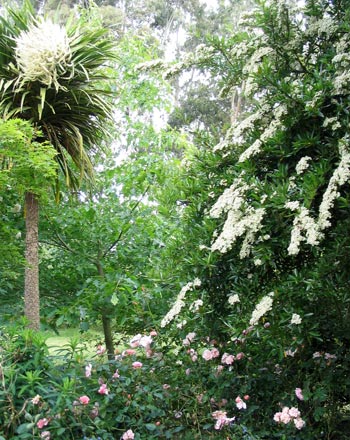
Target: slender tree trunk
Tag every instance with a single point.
(107, 331)
(106, 321)
(31, 279)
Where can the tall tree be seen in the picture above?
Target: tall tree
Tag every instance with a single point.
(55, 77)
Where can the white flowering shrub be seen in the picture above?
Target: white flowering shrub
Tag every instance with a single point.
(274, 218)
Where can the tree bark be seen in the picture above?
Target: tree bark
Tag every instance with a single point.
(31, 278)
(107, 331)
(106, 320)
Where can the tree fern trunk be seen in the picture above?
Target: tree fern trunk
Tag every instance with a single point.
(31, 280)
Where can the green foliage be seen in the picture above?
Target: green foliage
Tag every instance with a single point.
(288, 67)
(27, 165)
(74, 111)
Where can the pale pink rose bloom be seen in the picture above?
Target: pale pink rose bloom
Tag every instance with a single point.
(277, 417)
(299, 393)
(128, 435)
(103, 389)
(227, 359)
(100, 349)
(153, 333)
(135, 341)
(194, 358)
(116, 374)
(246, 397)
(240, 403)
(188, 371)
(285, 416)
(316, 355)
(215, 353)
(36, 399)
(88, 369)
(221, 419)
(129, 352)
(136, 364)
(239, 356)
(166, 386)
(189, 338)
(294, 412)
(330, 356)
(146, 341)
(299, 423)
(46, 435)
(207, 355)
(42, 422)
(84, 400)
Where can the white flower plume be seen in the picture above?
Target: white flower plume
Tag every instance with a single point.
(43, 53)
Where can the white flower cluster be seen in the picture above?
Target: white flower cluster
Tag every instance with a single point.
(240, 220)
(179, 302)
(252, 67)
(275, 125)
(302, 165)
(233, 299)
(296, 319)
(326, 26)
(43, 53)
(261, 308)
(340, 176)
(305, 228)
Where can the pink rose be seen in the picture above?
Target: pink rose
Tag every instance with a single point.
(240, 403)
(135, 341)
(136, 365)
(46, 435)
(128, 435)
(116, 374)
(103, 389)
(207, 355)
(215, 353)
(299, 393)
(42, 422)
(299, 423)
(84, 400)
(227, 359)
(277, 417)
(100, 349)
(129, 352)
(88, 369)
(294, 412)
(285, 416)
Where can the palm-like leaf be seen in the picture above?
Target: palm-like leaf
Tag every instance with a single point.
(73, 116)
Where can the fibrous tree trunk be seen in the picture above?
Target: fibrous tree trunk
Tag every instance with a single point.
(31, 279)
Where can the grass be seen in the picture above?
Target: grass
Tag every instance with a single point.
(69, 337)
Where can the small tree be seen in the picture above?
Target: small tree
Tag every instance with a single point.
(55, 77)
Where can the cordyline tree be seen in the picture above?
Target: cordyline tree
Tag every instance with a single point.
(57, 78)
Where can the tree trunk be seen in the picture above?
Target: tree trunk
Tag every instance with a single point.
(107, 331)
(31, 279)
(106, 320)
